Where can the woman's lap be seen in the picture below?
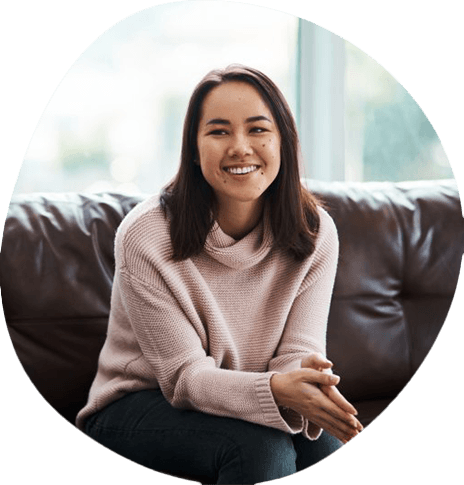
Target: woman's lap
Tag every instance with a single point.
(145, 428)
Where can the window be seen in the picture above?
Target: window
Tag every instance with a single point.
(357, 122)
(115, 120)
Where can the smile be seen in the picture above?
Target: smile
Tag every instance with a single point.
(241, 170)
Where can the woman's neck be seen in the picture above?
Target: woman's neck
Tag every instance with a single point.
(237, 219)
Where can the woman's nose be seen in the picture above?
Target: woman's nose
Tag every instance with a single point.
(240, 146)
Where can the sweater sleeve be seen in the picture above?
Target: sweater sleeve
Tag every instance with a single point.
(306, 327)
(187, 376)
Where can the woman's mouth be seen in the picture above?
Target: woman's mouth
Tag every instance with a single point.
(241, 170)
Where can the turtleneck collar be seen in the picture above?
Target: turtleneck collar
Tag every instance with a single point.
(245, 252)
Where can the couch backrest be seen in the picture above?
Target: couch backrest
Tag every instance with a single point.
(56, 273)
(400, 251)
(401, 247)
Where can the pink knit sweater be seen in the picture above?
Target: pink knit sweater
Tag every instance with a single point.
(210, 331)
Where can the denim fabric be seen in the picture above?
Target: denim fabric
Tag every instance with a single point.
(144, 427)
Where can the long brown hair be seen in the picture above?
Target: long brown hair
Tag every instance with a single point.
(188, 200)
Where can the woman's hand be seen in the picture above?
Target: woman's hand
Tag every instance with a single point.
(299, 390)
(318, 362)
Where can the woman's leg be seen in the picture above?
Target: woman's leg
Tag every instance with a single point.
(145, 428)
(310, 452)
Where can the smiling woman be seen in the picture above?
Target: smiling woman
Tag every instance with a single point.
(239, 153)
(214, 365)
(191, 198)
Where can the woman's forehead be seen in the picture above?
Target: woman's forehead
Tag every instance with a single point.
(234, 98)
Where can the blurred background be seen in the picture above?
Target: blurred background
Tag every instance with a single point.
(115, 120)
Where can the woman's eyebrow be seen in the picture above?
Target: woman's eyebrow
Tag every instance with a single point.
(257, 118)
(218, 121)
(251, 119)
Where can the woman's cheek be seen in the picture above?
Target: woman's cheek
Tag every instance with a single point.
(271, 151)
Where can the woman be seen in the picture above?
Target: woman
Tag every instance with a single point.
(213, 366)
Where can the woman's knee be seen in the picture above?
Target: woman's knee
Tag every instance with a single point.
(258, 456)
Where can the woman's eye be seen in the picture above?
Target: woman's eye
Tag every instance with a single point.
(258, 129)
(218, 132)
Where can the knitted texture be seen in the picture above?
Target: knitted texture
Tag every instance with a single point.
(211, 330)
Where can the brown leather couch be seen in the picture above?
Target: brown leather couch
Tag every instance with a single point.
(400, 252)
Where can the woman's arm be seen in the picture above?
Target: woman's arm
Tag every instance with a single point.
(306, 326)
(305, 335)
(189, 378)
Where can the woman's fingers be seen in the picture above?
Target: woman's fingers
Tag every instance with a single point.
(317, 377)
(336, 428)
(316, 361)
(333, 393)
(302, 390)
(342, 425)
(336, 397)
(328, 397)
(328, 406)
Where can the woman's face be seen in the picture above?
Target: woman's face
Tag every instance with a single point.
(238, 143)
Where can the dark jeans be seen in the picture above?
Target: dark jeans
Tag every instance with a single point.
(145, 428)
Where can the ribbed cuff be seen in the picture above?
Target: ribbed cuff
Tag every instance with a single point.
(285, 420)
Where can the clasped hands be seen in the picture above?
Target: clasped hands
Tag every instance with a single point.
(312, 393)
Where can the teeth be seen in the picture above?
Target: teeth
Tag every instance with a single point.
(241, 170)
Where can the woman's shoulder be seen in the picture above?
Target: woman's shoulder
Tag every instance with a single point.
(327, 227)
(145, 227)
(327, 243)
(148, 211)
